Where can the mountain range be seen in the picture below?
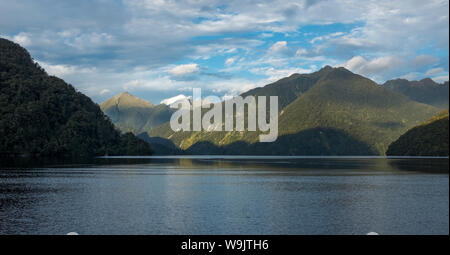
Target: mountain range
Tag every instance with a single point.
(132, 114)
(424, 91)
(320, 113)
(330, 112)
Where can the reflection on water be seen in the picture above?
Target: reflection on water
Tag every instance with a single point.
(227, 195)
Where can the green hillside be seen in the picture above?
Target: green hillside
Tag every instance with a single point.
(357, 106)
(289, 88)
(424, 91)
(427, 139)
(336, 112)
(41, 115)
(132, 114)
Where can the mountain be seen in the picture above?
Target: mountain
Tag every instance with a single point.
(138, 115)
(289, 88)
(41, 115)
(132, 114)
(427, 139)
(357, 106)
(329, 112)
(424, 91)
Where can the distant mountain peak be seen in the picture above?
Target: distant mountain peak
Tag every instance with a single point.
(327, 67)
(124, 94)
(425, 91)
(132, 114)
(329, 72)
(125, 100)
(428, 81)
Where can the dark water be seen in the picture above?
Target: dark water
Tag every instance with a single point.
(230, 195)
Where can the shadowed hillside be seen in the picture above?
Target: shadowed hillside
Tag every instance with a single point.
(356, 105)
(427, 139)
(318, 141)
(42, 115)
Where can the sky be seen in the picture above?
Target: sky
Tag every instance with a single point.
(158, 49)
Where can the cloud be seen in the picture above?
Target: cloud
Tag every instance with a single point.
(22, 39)
(274, 74)
(424, 60)
(229, 61)
(184, 69)
(441, 79)
(65, 70)
(389, 67)
(393, 27)
(98, 45)
(279, 47)
(325, 37)
(232, 50)
(435, 71)
(105, 92)
(410, 76)
(266, 35)
(301, 52)
(374, 67)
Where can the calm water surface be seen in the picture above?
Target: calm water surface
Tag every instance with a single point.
(228, 195)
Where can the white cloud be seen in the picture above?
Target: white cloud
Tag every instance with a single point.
(376, 66)
(410, 76)
(274, 74)
(232, 50)
(266, 35)
(105, 92)
(156, 34)
(393, 27)
(440, 79)
(88, 41)
(279, 47)
(184, 69)
(227, 97)
(148, 81)
(301, 52)
(435, 71)
(325, 37)
(22, 39)
(229, 61)
(424, 60)
(134, 84)
(63, 71)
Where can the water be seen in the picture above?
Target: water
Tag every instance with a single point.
(228, 195)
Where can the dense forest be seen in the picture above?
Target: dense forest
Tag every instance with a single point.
(41, 115)
(427, 139)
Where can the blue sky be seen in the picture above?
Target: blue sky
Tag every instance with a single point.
(158, 49)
